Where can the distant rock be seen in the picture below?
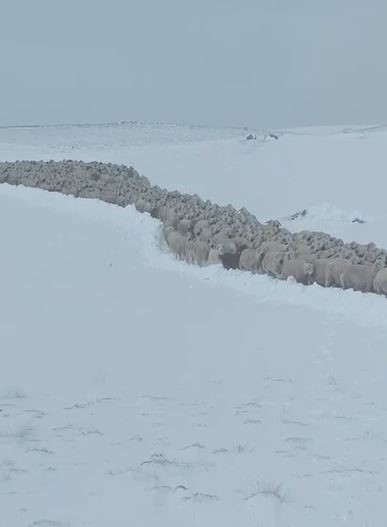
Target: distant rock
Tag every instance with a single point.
(270, 136)
(298, 214)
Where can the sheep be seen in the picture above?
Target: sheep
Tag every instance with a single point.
(222, 236)
(184, 226)
(268, 232)
(167, 215)
(213, 257)
(257, 239)
(188, 251)
(170, 218)
(177, 243)
(320, 266)
(273, 262)
(166, 230)
(359, 277)
(197, 252)
(380, 282)
(140, 204)
(301, 250)
(226, 245)
(148, 207)
(381, 260)
(205, 234)
(329, 254)
(267, 247)
(283, 236)
(333, 271)
(13, 177)
(273, 223)
(229, 254)
(248, 260)
(199, 226)
(300, 270)
(88, 192)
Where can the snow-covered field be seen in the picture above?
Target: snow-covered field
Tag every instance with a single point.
(136, 390)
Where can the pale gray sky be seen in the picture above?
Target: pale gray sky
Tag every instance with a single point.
(260, 63)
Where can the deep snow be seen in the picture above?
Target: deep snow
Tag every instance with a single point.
(138, 390)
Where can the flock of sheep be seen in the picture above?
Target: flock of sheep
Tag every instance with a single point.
(277, 255)
(204, 233)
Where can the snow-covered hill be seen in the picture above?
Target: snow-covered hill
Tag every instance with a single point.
(138, 390)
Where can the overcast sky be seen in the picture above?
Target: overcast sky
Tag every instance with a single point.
(259, 63)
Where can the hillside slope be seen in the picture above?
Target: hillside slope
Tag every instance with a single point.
(137, 390)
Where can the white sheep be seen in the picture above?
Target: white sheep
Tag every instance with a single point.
(177, 243)
(299, 269)
(140, 205)
(214, 257)
(197, 252)
(267, 247)
(184, 226)
(171, 218)
(199, 226)
(248, 260)
(167, 215)
(166, 230)
(359, 277)
(205, 234)
(320, 267)
(334, 269)
(188, 251)
(273, 261)
(380, 282)
(227, 246)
